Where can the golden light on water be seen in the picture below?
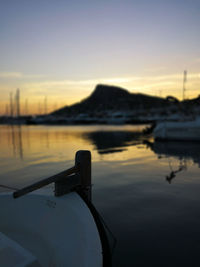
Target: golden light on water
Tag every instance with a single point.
(53, 144)
(31, 153)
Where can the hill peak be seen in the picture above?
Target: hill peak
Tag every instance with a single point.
(107, 91)
(107, 98)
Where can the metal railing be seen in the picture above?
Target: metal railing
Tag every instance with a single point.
(76, 178)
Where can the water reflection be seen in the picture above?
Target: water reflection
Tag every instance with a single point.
(26, 140)
(173, 172)
(16, 140)
(114, 141)
(185, 152)
(178, 149)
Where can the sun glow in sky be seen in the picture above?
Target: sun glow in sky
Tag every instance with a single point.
(60, 50)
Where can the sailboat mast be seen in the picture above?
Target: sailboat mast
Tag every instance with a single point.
(11, 104)
(18, 103)
(184, 83)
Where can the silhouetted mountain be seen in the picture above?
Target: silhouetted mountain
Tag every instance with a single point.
(112, 98)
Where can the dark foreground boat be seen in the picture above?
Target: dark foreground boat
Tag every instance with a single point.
(64, 229)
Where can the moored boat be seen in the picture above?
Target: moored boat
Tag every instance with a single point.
(180, 130)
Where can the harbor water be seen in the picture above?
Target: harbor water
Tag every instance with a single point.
(147, 192)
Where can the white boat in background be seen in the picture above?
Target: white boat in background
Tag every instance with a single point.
(180, 130)
(40, 229)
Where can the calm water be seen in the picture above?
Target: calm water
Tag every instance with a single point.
(148, 193)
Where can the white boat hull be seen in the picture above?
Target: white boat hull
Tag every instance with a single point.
(58, 231)
(189, 130)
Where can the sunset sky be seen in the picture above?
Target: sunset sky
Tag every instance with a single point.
(62, 49)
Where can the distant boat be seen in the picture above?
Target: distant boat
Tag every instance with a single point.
(180, 130)
(40, 229)
(187, 130)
